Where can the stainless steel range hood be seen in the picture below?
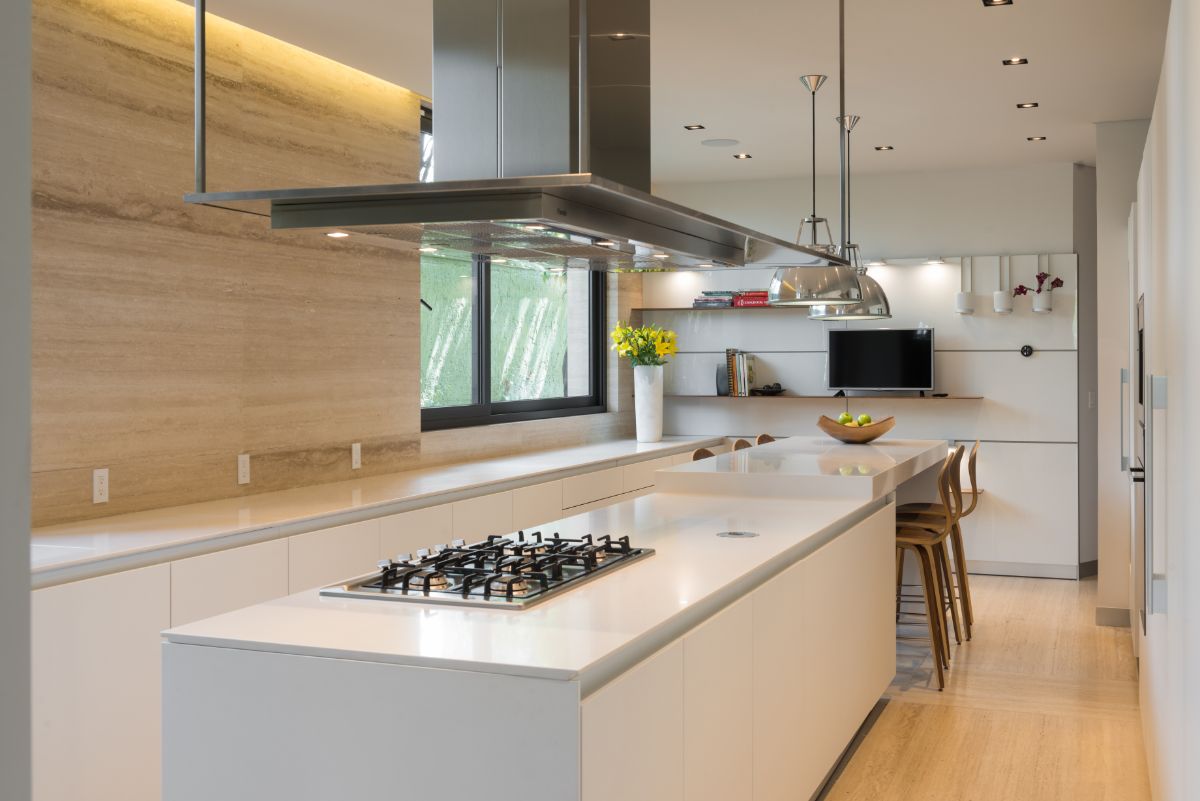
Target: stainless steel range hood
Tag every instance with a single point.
(531, 98)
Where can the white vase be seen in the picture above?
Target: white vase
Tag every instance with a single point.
(1043, 302)
(1002, 302)
(648, 401)
(964, 303)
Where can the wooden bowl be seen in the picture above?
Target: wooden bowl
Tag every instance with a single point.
(856, 435)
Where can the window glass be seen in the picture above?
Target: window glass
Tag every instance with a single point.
(447, 332)
(540, 332)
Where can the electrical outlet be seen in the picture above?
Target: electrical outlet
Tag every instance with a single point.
(243, 468)
(100, 485)
(356, 456)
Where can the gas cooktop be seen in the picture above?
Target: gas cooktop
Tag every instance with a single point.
(505, 572)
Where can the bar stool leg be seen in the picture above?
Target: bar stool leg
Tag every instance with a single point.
(943, 562)
(899, 581)
(964, 582)
(929, 584)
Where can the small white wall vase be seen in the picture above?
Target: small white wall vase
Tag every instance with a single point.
(1002, 302)
(964, 303)
(648, 402)
(1043, 302)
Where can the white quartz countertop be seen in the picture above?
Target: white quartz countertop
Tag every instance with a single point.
(808, 467)
(72, 551)
(589, 633)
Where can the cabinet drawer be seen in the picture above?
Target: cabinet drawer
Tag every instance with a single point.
(536, 505)
(333, 554)
(420, 528)
(478, 517)
(204, 586)
(590, 487)
(641, 475)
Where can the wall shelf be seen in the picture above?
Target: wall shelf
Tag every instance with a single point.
(719, 308)
(833, 397)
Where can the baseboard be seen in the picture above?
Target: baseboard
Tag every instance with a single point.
(1023, 569)
(1111, 616)
(1089, 569)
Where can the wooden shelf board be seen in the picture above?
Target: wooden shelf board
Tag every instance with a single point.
(717, 308)
(831, 397)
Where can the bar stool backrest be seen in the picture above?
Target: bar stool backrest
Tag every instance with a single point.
(971, 463)
(702, 453)
(956, 494)
(763, 439)
(741, 444)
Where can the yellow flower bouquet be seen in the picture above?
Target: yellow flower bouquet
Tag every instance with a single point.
(646, 346)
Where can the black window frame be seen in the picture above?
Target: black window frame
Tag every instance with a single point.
(485, 411)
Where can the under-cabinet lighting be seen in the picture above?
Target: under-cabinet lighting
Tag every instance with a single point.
(428, 250)
(1035, 138)
(885, 147)
(535, 228)
(693, 127)
(1016, 61)
(337, 234)
(1027, 105)
(661, 256)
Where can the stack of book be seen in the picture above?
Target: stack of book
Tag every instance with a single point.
(714, 299)
(750, 298)
(740, 369)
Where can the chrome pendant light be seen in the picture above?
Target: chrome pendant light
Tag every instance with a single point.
(831, 286)
(873, 303)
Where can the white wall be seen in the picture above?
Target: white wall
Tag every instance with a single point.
(1119, 147)
(1168, 204)
(14, 397)
(1025, 209)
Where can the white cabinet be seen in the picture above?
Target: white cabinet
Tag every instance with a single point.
(718, 706)
(333, 554)
(96, 686)
(594, 486)
(781, 653)
(640, 475)
(632, 733)
(488, 514)
(220, 582)
(541, 503)
(420, 528)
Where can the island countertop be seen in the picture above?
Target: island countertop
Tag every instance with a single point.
(807, 467)
(589, 633)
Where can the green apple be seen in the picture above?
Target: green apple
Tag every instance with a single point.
(846, 470)
(845, 417)
(864, 419)
(863, 470)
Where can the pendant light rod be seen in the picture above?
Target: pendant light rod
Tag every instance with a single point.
(843, 137)
(814, 165)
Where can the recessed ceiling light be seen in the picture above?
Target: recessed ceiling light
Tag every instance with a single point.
(1014, 62)
(499, 261)
(885, 147)
(620, 37)
(428, 250)
(1036, 138)
(720, 142)
(337, 234)
(1027, 105)
(742, 156)
(990, 3)
(694, 127)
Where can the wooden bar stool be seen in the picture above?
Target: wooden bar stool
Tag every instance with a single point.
(702, 453)
(741, 444)
(928, 542)
(763, 439)
(933, 512)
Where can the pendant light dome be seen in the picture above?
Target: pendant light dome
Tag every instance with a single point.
(835, 285)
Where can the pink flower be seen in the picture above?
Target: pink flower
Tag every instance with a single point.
(1056, 283)
(1041, 279)
(1021, 289)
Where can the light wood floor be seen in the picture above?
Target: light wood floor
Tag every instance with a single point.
(1042, 704)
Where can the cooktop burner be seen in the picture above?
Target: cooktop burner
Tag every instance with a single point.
(514, 571)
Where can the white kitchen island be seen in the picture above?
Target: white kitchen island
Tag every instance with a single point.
(718, 668)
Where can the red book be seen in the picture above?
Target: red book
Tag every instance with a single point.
(743, 302)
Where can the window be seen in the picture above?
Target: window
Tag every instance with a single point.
(425, 174)
(509, 341)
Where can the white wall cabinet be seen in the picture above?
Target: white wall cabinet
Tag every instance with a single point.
(97, 685)
(420, 528)
(536, 505)
(323, 557)
(718, 706)
(487, 514)
(215, 583)
(632, 733)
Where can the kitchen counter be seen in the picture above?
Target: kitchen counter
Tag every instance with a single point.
(72, 551)
(589, 633)
(808, 467)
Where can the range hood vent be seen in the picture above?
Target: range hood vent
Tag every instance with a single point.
(565, 85)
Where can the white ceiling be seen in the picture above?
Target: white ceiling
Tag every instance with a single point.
(925, 75)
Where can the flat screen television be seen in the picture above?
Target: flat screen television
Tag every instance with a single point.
(881, 359)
